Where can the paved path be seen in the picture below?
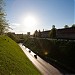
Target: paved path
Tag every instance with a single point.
(44, 67)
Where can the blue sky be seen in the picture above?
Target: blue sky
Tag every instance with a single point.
(44, 13)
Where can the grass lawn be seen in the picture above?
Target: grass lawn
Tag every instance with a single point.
(12, 59)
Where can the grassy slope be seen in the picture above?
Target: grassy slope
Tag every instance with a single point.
(12, 59)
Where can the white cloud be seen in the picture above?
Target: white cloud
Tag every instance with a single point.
(14, 27)
(15, 24)
(21, 28)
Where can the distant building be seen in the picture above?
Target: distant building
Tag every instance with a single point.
(19, 36)
(28, 33)
(66, 33)
(45, 34)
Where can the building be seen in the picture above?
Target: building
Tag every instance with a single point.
(66, 33)
(19, 36)
(45, 34)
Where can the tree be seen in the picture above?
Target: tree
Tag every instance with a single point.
(52, 33)
(39, 34)
(66, 26)
(73, 26)
(13, 36)
(3, 23)
(35, 33)
(53, 26)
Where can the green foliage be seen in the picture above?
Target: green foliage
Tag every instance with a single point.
(12, 59)
(73, 26)
(39, 34)
(52, 33)
(25, 37)
(66, 26)
(35, 34)
(13, 37)
(33, 43)
(61, 51)
(3, 22)
(53, 26)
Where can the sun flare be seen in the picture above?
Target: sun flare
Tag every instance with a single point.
(30, 23)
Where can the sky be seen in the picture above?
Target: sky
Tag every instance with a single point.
(30, 15)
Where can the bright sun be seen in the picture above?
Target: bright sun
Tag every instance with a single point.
(30, 23)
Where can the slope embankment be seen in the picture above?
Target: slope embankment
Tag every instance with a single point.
(57, 52)
(12, 59)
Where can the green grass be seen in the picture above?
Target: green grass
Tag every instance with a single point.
(12, 59)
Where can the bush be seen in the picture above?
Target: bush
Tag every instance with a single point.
(13, 37)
